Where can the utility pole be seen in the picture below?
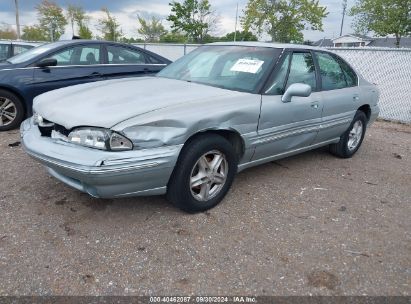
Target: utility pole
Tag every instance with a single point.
(16, 2)
(344, 6)
(236, 19)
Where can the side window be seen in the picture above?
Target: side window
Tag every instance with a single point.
(332, 77)
(278, 82)
(78, 55)
(350, 75)
(4, 51)
(121, 55)
(21, 48)
(302, 70)
(153, 60)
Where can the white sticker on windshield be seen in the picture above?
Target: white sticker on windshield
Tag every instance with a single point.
(247, 66)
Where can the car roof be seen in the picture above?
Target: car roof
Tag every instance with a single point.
(271, 45)
(79, 41)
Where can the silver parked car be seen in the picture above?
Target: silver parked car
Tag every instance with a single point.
(221, 109)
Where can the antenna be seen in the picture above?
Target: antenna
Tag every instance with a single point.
(344, 6)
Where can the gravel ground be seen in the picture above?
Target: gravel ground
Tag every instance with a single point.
(309, 224)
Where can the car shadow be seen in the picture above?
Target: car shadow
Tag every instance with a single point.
(150, 204)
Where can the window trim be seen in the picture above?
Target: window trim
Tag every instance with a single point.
(291, 52)
(147, 61)
(33, 64)
(274, 72)
(319, 71)
(338, 59)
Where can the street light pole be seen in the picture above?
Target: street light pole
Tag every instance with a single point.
(236, 19)
(344, 5)
(16, 2)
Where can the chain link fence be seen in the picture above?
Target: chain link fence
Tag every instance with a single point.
(168, 50)
(389, 68)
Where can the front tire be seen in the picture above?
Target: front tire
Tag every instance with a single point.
(11, 111)
(352, 139)
(204, 173)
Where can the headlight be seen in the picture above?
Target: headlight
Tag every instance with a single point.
(40, 121)
(36, 118)
(100, 139)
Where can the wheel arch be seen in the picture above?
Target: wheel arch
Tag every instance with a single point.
(231, 135)
(18, 94)
(366, 109)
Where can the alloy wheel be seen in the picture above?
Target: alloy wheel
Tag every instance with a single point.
(355, 135)
(208, 175)
(8, 111)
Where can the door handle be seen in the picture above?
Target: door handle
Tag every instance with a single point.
(356, 98)
(94, 75)
(315, 105)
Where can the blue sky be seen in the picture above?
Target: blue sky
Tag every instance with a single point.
(127, 10)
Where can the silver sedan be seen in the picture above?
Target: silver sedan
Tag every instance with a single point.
(221, 109)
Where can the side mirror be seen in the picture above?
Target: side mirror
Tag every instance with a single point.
(47, 62)
(296, 89)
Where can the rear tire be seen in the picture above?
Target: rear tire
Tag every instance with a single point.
(352, 139)
(11, 111)
(203, 174)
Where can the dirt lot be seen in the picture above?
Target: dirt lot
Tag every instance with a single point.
(310, 224)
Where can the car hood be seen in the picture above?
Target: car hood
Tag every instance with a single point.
(5, 65)
(107, 103)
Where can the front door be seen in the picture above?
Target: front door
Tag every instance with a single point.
(75, 65)
(285, 127)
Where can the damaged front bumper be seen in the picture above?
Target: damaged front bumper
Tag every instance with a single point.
(100, 173)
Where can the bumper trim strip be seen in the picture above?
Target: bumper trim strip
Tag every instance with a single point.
(90, 170)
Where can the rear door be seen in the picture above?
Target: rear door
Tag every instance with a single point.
(75, 65)
(123, 61)
(340, 92)
(285, 127)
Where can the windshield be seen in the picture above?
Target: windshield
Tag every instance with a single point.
(238, 68)
(31, 53)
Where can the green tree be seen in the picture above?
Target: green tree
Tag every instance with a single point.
(109, 26)
(51, 19)
(283, 20)
(241, 36)
(34, 33)
(173, 37)
(77, 15)
(383, 17)
(71, 11)
(152, 29)
(7, 32)
(193, 17)
(131, 40)
(84, 32)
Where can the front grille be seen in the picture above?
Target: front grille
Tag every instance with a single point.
(46, 130)
(61, 130)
